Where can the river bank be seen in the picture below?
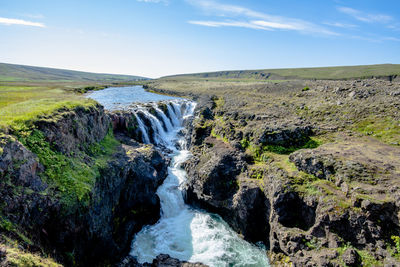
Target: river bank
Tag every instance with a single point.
(103, 188)
(307, 167)
(74, 190)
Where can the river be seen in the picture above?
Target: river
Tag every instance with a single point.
(182, 232)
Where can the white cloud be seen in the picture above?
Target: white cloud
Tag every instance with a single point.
(8, 21)
(248, 18)
(154, 1)
(229, 24)
(33, 16)
(391, 39)
(341, 25)
(277, 25)
(375, 38)
(223, 10)
(365, 17)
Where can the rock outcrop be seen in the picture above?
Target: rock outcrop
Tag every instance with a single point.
(325, 206)
(162, 260)
(121, 200)
(69, 131)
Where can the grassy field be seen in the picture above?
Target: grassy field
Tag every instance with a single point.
(326, 73)
(21, 104)
(21, 73)
(28, 92)
(365, 106)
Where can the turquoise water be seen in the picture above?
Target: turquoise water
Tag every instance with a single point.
(182, 232)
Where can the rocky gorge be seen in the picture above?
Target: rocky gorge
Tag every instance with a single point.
(305, 172)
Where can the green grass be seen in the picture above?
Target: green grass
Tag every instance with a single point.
(386, 129)
(22, 73)
(27, 92)
(342, 72)
(73, 176)
(21, 105)
(366, 258)
(7, 226)
(19, 258)
(260, 152)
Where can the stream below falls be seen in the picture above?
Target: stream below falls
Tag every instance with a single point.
(182, 232)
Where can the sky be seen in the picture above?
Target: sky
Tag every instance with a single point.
(154, 38)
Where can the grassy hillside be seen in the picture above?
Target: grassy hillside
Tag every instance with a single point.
(325, 73)
(21, 104)
(28, 92)
(22, 73)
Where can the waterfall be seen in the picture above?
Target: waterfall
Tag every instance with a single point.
(177, 110)
(172, 115)
(143, 129)
(183, 232)
(189, 110)
(173, 120)
(166, 121)
(159, 133)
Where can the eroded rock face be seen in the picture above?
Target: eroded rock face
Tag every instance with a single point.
(122, 200)
(284, 219)
(21, 187)
(126, 123)
(213, 185)
(213, 174)
(72, 130)
(284, 135)
(309, 207)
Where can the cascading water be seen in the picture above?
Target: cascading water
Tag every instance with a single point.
(159, 134)
(165, 119)
(173, 116)
(177, 110)
(182, 232)
(142, 128)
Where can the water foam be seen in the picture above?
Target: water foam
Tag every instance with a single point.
(183, 232)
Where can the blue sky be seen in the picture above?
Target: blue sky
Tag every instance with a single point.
(153, 38)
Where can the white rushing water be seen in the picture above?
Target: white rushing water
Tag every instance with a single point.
(183, 232)
(142, 128)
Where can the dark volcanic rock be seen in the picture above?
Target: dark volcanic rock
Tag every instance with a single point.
(350, 257)
(345, 193)
(285, 135)
(213, 184)
(71, 130)
(125, 122)
(21, 187)
(162, 260)
(122, 200)
(213, 175)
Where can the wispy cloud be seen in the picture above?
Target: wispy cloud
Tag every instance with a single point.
(154, 1)
(33, 16)
(229, 24)
(365, 17)
(239, 16)
(8, 21)
(341, 25)
(374, 38)
(394, 26)
(394, 39)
